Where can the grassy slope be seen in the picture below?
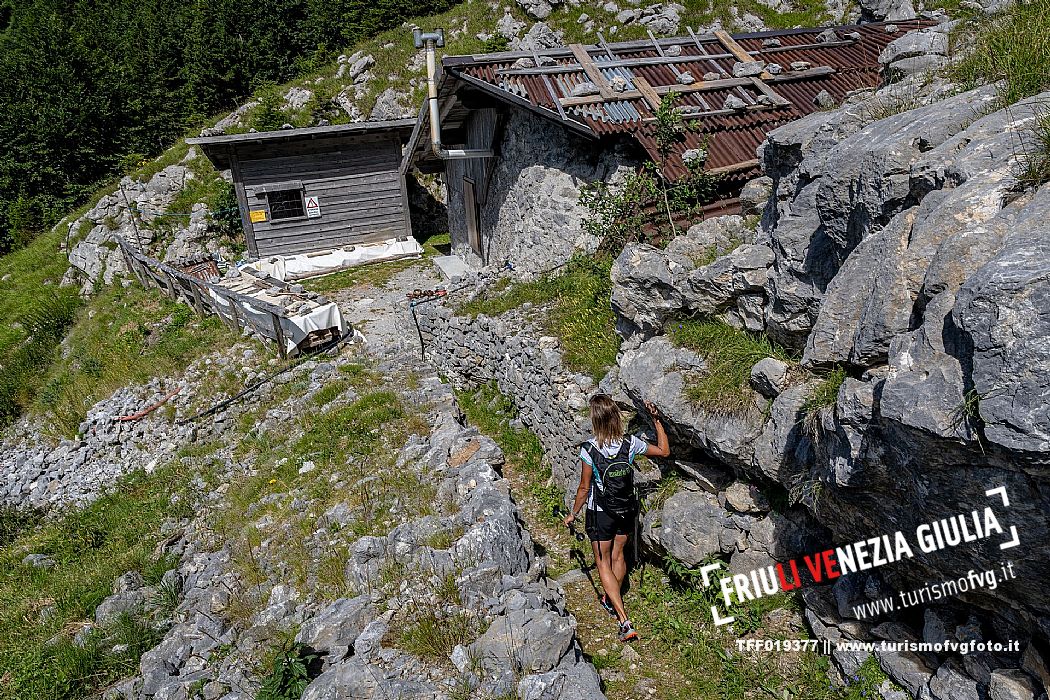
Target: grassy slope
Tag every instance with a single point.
(90, 547)
(354, 414)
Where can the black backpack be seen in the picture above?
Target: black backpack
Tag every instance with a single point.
(613, 480)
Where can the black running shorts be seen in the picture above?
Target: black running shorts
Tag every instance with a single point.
(603, 526)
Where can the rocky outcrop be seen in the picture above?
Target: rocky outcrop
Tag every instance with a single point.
(474, 561)
(1003, 312)
(903, 249)
(137, 212)
(916, 53)
(72, 472)
(840, 177)
(712, 269)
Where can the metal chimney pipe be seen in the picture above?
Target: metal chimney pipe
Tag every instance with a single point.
(433, 40)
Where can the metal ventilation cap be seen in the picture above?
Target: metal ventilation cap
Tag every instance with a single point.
(420, 37)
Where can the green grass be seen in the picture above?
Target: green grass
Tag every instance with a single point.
(90, 547)
(825, 393)
(578, 312)
(34, 315)
(687, 657)
(121, 336)
(724, 386)
(1035, 162)
(429, 633)
(356, 440)
(1013, 46)
(713, 252)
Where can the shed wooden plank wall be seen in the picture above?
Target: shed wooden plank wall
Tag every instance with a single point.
(357, 180)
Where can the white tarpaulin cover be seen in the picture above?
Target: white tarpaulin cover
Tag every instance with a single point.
(296, 324)
(294, 267)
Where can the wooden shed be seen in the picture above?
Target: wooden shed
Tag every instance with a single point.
(318, 188)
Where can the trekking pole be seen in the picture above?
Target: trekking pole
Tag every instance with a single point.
(637, 548)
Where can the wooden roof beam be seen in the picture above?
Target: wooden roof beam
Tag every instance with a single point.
(589, 67)
(658, 90)
(647, 92)
(737, 50)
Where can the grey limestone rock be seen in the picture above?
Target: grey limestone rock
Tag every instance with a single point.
(657, 371)
(1004, 311)
(746, 498)
(694, 527)
(647, 285)
(1011, 684)
(713, 288)
(769, 376)
(748, 69)
(907, 669)
(925, 386)
(733, 102)
(575, 682)
(837, 181)
(951, 683)
(755, 195)
(333, 630)
(893, 10)
(535, 640)
(354, 679)
(537, 9)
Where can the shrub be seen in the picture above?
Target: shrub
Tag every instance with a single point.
(292, 670)
(623, 213)
(724, 386)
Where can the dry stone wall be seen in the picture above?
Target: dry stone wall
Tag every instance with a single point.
(526, 366)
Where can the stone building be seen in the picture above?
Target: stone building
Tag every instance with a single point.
(559, 119)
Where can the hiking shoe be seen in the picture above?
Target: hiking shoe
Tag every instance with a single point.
(627, 633)
(604, 602)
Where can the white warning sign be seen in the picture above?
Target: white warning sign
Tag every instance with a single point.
(313, 207)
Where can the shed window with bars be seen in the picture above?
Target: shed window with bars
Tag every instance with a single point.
(285, 204)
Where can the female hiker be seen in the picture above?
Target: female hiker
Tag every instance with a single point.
(607, 488)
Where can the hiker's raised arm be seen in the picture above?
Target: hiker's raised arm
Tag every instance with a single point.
(581, 492)
(662, 448)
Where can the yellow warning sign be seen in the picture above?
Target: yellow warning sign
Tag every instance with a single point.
(257, 215)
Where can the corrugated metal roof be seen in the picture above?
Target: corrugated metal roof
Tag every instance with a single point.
(544, 82)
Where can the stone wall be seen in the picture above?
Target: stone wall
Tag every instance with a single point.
(529, 211)
(526, 366)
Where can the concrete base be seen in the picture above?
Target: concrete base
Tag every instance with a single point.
(451, 266)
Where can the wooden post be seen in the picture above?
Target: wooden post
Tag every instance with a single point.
(170, 284)
(279, 332)
(235, 318)
(198, 303)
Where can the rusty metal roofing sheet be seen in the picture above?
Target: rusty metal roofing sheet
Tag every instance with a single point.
(848, 63)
